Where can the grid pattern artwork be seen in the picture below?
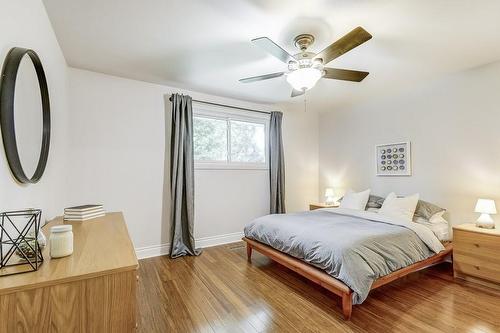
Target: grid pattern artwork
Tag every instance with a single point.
(393, 159)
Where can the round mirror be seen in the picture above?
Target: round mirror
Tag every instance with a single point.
(28, 116)
(25, 114)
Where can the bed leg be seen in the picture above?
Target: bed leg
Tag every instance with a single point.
(249, 252)
(347, 305)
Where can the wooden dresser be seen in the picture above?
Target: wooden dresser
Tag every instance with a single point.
(476, 254)
(93, 290)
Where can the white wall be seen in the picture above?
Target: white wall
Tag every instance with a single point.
(226, 200)
(109, 139)
(119, 156)
(117, 150)
(453, 127)
(25, 24)
(300, 141)
(108, 145)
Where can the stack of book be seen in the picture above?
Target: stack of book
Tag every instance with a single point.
(83, 213)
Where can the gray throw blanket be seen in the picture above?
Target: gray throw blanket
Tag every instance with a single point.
(352, 246)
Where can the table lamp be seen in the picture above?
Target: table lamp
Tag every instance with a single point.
(485, 207)
(329, 196)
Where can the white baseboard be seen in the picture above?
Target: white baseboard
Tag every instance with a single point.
(164, 249)
(218, 240)
(152, 251)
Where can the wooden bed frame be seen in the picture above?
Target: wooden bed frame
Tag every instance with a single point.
(336, 286)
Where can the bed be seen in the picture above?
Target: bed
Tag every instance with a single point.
(348, 252)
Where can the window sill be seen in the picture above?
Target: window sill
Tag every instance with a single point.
(208, 166)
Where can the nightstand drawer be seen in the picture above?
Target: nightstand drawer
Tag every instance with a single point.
(476, 254)
(314, 206)
(477, 244)
(477, 266)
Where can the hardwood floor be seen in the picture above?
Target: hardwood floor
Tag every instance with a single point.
(220, 291)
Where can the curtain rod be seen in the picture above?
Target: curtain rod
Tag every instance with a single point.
(227, 106)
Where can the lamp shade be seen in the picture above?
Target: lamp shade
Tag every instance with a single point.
(329, 192)
(485, 206)
(304, 78)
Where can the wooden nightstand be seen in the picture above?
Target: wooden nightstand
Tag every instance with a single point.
(476, 254)
(314, 206)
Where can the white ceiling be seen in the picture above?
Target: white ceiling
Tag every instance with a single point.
(204, 45)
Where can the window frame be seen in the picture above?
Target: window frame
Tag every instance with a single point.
(228, 114)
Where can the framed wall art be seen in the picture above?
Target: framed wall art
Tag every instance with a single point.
(393, 159)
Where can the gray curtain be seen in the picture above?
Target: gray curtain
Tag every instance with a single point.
(276, 165)
(182, 178)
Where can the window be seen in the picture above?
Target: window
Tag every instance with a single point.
(248, 141)
(229, 139)
(210, 139)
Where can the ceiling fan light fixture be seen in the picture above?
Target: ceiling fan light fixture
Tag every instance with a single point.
(304, 78)
(306, 68)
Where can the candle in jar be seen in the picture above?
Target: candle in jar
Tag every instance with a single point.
(61, 240)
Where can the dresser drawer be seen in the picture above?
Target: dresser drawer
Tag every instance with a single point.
(477, 266)
(478, 244)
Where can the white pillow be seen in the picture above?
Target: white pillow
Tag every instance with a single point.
(353, 200)
(440, 229)
(438, 217)
(400, 208)
(435, 219)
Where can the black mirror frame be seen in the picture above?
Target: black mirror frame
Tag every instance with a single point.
(7, 93)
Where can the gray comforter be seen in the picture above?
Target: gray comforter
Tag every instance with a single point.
(354, 247)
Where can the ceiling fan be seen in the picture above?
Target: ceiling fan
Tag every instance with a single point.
(306, 68)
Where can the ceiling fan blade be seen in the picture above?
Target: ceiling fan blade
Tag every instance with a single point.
(353, 39)
(296, 92)
(344, 74)
(274, 49)
(261, 77)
